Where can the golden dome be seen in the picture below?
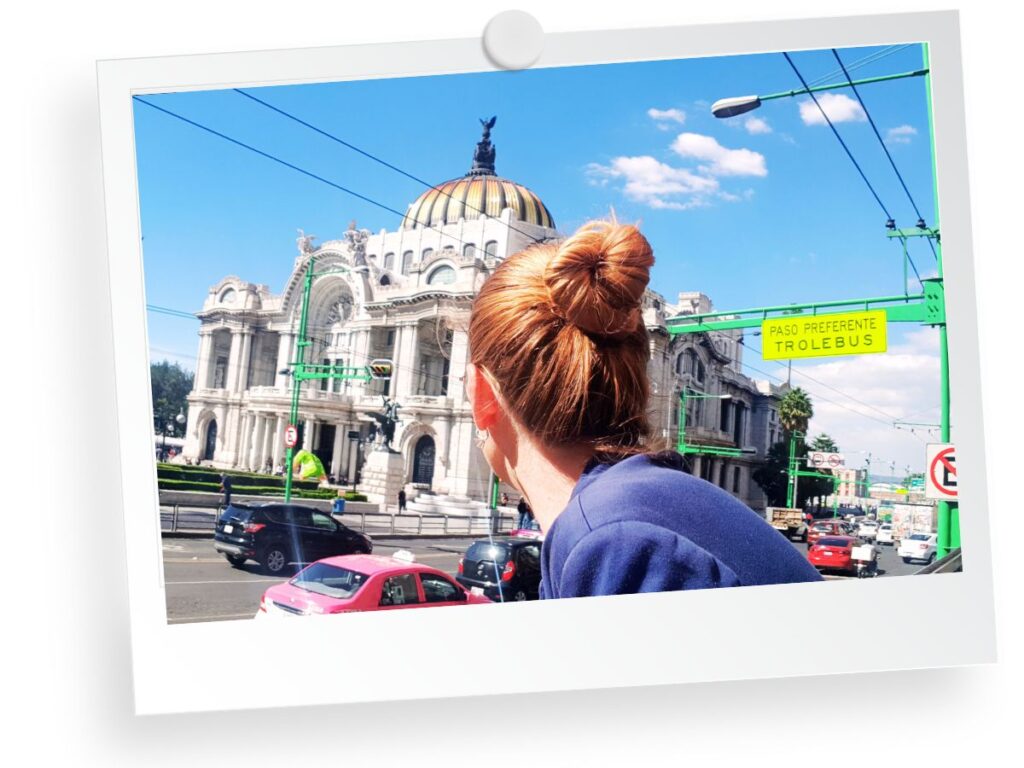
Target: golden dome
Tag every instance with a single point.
(470, 197)
(480, 192)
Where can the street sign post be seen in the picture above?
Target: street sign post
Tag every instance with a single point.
(825, 460)
(940, 475)
(291, 436)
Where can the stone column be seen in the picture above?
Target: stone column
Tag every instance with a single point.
(202, 379)
(340, 438)
(245, 437)
(346, 448)
(457, 367)
(234, 354)
(257, 437)
(406, 362)
(307, 435)
(284, 357)
(242, 375)
(268, 442)
(278, 448)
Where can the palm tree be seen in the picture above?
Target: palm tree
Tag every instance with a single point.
(825, 443)
(795, 410)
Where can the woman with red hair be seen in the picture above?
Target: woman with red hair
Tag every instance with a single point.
(558, 384)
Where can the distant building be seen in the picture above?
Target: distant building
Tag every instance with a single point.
(405, 295)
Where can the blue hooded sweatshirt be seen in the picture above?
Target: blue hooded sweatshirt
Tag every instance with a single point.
(645, 525)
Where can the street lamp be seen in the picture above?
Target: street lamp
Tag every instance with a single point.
(738, 105)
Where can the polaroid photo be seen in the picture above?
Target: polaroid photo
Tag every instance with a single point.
(564, 350)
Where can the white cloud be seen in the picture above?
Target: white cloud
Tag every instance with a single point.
(653, 183)
(902, 384)
(839, 107)
(722, 161)
(755, 125)
(901, 134)
(664, 116)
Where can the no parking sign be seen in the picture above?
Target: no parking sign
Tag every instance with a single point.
(940, 472)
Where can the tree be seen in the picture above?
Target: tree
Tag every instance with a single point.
(795, 410)
(772, 476)
(170, 387)
(825, 444)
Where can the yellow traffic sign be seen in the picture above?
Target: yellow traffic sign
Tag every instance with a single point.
(829, 335)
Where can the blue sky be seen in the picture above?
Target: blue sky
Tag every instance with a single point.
(750, 212)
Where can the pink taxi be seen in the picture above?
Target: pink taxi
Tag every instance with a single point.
(351, 583)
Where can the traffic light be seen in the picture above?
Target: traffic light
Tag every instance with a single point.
(380, 369)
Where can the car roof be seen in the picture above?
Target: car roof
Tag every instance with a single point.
(837, 536)
(511, 541)
(374, 564)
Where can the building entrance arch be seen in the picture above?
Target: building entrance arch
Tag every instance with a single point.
(210, 444)
(423, 461)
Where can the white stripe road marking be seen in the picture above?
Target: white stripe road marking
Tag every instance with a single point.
(179, 619)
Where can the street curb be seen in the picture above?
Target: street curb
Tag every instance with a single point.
(382, 537)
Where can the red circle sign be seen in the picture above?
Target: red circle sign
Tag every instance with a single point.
(941, 469)
(833, 460)
(291, 436)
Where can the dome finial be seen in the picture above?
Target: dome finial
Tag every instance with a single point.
(483, 156)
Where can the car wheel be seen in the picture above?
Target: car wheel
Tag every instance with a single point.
(275, 559)
(931, 558)
(520, 595)
(236, 560)
(906, 559)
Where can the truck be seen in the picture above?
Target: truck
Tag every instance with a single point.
(789, 521)
(912, 518)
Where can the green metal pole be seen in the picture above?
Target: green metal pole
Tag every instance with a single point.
(298, 369)
(948, 518)
(791, 484)
(834, 86)
(681, 444)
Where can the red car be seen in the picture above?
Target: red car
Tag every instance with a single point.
(351, 583)
(833, 527)
(834, 553)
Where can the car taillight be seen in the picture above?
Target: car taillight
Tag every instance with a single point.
(263, 603)
(922, 546)
(461, 559)
(510, 571)
(253, 527)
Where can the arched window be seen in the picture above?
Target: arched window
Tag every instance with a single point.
(698, 372)
(228, 296)
(389, 260)
(385, 280)
(406, 262)
(427, 253)
(469, 250)
(491, 249)
(443, 275)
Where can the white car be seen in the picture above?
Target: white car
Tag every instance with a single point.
(868, 529)
(918, 546)
(884, 534)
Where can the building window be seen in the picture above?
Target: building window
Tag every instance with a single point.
(220, 373)
(389, 260)
(427, 253)
(724, 423)
(735, 479)
(385, 280)
(491, 249)
(443, 275)
(228, 296)
(469, 250)
(406, 262)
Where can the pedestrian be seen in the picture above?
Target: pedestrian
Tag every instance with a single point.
(524, 514)
(504, 499)
(401, 501)
(225, 485)
(557, 381)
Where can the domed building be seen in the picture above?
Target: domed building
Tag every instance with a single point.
(405, 295)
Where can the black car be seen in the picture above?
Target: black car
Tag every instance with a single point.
(276, 535)
(504, 567)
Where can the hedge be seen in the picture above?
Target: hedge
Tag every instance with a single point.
(251, 490)
(174, 472)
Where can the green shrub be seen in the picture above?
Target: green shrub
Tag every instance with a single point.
(353, 496)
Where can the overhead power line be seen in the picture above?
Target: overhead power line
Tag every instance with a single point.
(373, 157)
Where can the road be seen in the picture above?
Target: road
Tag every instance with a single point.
(201, 586)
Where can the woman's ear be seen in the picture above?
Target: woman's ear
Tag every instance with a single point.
(486, 408)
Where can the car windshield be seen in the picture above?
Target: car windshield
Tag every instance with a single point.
(823, 527)
(329, 580)
(484, 550)
(885, 527)
(826, 542)
(920, 537)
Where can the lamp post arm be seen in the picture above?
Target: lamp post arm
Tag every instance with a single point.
(836, 86)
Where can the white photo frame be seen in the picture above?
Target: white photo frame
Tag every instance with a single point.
(649, 639)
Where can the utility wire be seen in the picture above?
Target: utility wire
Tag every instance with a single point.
(373, 157)
(285, 163)
(885, 149)
(859, 63)
(840, 138)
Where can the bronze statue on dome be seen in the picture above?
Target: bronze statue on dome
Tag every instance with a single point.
(483, 156)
